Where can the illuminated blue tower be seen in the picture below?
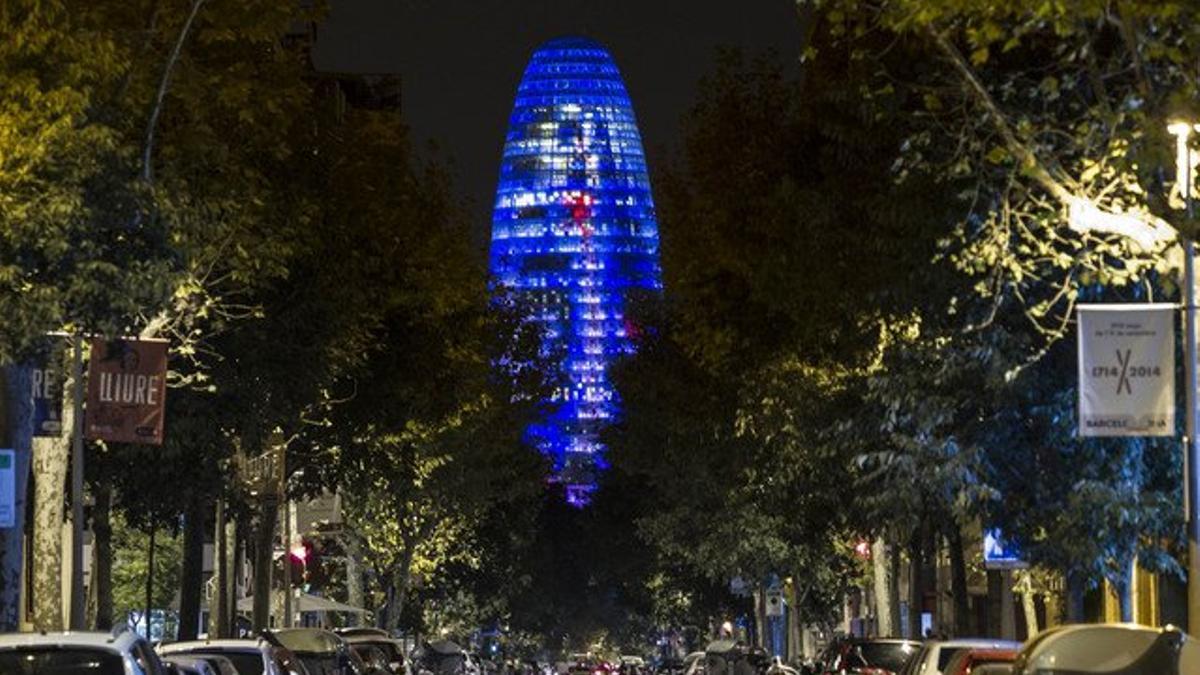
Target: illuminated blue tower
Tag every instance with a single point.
(574, 232)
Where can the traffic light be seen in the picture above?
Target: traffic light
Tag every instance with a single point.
(300, 557)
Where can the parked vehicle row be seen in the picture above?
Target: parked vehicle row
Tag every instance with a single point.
(293, 651)
(1110, 649)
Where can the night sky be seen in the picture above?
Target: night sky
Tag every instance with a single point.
(460, 63)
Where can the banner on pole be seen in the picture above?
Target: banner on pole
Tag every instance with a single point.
(8, 489)
(1127, 370)
(46, 382)
(127, 391)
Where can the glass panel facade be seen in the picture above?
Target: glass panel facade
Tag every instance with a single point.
(574, 230)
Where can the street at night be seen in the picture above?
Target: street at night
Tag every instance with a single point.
(634, 337)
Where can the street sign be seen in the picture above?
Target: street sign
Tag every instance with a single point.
(127, 391)
(1000, 553)
(1127, 370)
(774, 602)
(8, 489)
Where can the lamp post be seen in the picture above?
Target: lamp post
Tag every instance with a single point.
(1184, 179)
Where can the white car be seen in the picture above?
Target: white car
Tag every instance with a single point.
(935, 655)
(693, 664)
(1128, 649)
(120, 653)
(250, 657)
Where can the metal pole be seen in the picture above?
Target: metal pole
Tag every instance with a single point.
(1191, 497)
(77, 595)
(150, 580)
(287, 560)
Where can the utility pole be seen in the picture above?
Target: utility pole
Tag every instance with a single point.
(76, 589)
(1182, 132)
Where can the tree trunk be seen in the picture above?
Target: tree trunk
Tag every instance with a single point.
(958, 582)
(1123, 587)
(191, 577)
(354, 585)
(264, 548)
(916, 584)
(795, 623)
(218, 600)
(17, 418)
(149, 615)
(235, 564)
(1075, 590)
(1029, 605)
(401, 581)
(893, 590)
(101, 587)
(51, 459)
(760, 617)
(885, 612)
(995, 587)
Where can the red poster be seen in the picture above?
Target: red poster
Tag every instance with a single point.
(127, 391)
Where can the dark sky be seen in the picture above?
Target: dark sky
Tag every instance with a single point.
(460, 62)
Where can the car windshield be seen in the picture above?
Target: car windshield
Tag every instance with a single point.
(889, 655)
(320, 664)
(389, 650)
(247, 663)
(945, 655)
(60, 661)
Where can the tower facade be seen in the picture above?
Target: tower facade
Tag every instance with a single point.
(573, 233)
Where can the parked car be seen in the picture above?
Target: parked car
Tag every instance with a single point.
(981, 662)
(122, 652)
(362, 640)
(322, 652)
(693, 664)
(935, 655)
(629, 664)
(249, 657)
(191, 665)
(1112, 649)
(866, 656)
(440, 657)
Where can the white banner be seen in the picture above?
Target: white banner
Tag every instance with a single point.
(1127, 370)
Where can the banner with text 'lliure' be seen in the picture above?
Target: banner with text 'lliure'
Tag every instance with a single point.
(1127, 370)
(127, 391)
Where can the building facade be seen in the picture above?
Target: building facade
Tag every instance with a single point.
(574, 234)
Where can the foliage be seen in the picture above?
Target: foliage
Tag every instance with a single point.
(1053, 115)
(131, 548)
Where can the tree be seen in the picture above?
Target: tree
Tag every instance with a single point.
(788, 253)
(1056, 115)
(1052, 118)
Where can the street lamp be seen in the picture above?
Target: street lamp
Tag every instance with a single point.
(1184, 178)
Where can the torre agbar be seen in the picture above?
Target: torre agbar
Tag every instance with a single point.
(574, 233)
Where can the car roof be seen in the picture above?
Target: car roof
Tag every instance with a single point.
(309, 640)
(362, 630)
(96, 639)
(976, 643)
(229, 644)
(361, 638)
(1080, 646)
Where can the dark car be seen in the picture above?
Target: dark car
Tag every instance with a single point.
(866, 656)
(377, 648)
(321, 652)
